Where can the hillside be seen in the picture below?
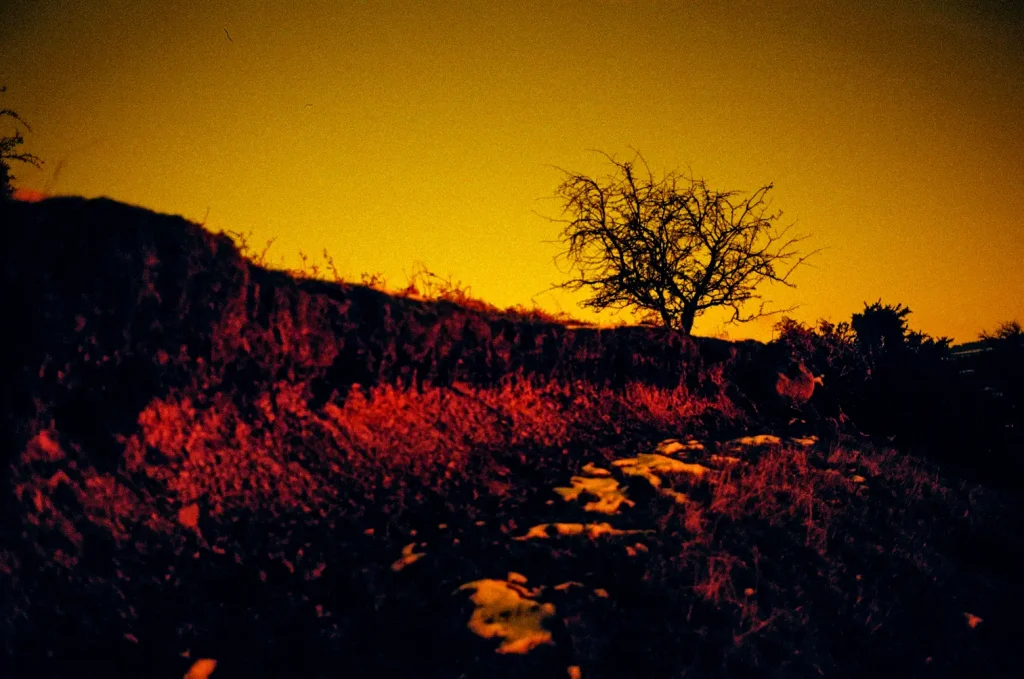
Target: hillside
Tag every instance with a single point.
(208, 465)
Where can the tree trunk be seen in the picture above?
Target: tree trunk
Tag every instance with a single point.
(686, 320)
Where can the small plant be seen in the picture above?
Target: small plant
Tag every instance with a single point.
(375, 280)
(260, 258)
(8, 152)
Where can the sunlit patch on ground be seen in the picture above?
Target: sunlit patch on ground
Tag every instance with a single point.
(201, 669)
(633, 550)
(673, 446)
(590, 469)
(600, 483)
(409, 556)
(606, 489)
(591, 530)
(752, 441)
(677, 496)
(508, 609)
(567, 586)
(646, 464)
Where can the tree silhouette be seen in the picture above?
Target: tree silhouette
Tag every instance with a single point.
(880, 328)
(1009, 335)
(8, 152)
(671, 248)
(1002, 367)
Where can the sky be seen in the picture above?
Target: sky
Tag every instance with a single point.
(400, 134)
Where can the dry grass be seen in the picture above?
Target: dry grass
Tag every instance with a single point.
(285, 456)
(736, 575)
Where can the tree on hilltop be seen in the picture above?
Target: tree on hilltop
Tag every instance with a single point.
(671, 248)
(9, 152)
(1009, 334)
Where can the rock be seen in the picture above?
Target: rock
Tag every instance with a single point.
(795, 383)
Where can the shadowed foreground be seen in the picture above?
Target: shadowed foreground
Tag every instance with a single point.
(205, 461)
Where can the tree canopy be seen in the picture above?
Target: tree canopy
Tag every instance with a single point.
(671, 248)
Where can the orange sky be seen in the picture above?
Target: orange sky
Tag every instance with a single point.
(893, 136)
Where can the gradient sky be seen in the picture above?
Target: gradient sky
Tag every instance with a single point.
(393, 133)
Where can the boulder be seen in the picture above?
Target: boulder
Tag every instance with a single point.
(795, 383)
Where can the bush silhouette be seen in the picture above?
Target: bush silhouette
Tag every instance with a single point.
(999, 372)
(880, 328)
(903, 386)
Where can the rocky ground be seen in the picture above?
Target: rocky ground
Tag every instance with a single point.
(752, 556)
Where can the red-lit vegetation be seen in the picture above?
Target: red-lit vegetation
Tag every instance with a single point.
(204, 459)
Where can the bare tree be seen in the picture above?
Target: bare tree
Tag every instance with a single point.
(671, 248)
(1010, 333)
(1007, 347)
(8, 152)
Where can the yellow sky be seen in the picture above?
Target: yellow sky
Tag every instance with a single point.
(397, 132)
